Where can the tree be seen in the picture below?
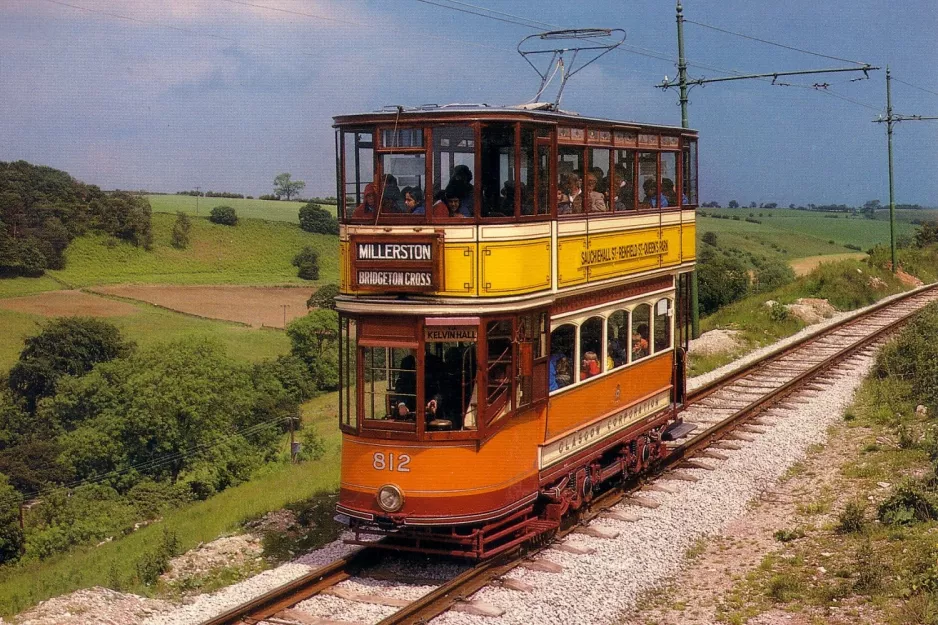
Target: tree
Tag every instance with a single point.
(11, 536)
(710, 238)
(314, 339)
(772, 274)
(733, 204)
(324, 297)
(180, 236)
(869, 209)
(722, 280)
(224, 215)
(752, 205)
(314, 219)
(286, 187)
(307, 263)
(67, 346)
(926, 234)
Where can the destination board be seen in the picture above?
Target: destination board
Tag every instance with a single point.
(397, 263)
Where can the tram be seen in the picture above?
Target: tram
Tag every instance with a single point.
(510, 342)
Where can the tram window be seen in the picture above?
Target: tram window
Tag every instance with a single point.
(454, 165)
(617, 339)
(498, 372)
(348, 393)
(450, 381)
(569, 180)
(641, 321)
(526, 186)
(401, 171)
(591, 347)
(662, 325)
(596, 181)
(359, 172)
(668, 176)
(402, 138)
(532, 330)
(389, 383)
(689, 171)
(562, 347)
(623, 179)
(498, 170)
(648, 181)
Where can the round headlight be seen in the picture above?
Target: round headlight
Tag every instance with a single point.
(390, 498)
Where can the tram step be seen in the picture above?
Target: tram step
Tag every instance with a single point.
(679, 431)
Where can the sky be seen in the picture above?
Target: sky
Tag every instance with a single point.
(167, 95)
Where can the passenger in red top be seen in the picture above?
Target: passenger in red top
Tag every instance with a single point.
(368, 208)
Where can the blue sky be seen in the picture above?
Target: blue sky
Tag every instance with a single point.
(225, 94)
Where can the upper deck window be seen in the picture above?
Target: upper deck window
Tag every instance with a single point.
(402, 138)
(689, 171)
(454, 164)
(498, 170)
(668, 177)
(357, 174)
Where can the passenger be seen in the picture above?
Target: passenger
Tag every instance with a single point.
(594, 199)
(569, 195)
(432, 387)
(462, 176)
(625, 196)
(559, 373)
(590, 365)
(450, 204)
(667, 189)
(508, 199)
(368, 208)
(405, 386)
(617, 355)
(650, 200)
(392, 201)
(413, 200)
(640, 342)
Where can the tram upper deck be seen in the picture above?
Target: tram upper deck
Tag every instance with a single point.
(479, 202)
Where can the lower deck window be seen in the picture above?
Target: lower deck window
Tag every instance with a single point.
(389, 384)
(641, 322)
(562, 348)
(450, 386)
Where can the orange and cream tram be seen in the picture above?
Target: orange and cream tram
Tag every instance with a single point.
(509, 338)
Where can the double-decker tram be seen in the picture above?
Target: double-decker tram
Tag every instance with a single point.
(510, 342)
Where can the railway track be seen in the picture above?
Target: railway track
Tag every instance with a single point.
(726, 412)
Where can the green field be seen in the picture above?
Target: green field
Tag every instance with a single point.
(254, 252)
(271, 210)
(790, 234)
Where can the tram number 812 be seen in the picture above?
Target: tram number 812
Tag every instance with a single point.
(382, 462)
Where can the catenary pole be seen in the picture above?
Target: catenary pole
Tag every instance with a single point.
(892, 197)
(682, 80)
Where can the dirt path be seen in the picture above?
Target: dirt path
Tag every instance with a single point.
(806, 265)
(254, 306)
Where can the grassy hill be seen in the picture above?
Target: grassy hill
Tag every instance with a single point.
(253, 252)
(790, 234)
(271, 210)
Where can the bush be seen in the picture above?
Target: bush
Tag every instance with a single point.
(778, 313)
(181, 229)
(224, 215)
(913, 355)
(909, 502)
(721, 281)
(710, 238)
(851, 519)
(11, 536)
(307, 263)
(772, 274)
(156, 562)
(315, 219)
(324, 297)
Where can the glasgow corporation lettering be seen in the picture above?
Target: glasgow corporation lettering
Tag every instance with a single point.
(395, 251)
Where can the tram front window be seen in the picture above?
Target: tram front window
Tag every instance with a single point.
(389, 384)
(450, 383)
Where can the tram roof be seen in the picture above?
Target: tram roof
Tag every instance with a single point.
(482, 111)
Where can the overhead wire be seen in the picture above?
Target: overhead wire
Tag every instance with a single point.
(908, 84)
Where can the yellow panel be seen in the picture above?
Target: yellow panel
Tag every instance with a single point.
(515, 267)
(671, 235)
(689, 241)
(569, 268)
(618, 253)
(459, 269)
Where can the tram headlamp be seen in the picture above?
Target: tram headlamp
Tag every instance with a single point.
(390, 498)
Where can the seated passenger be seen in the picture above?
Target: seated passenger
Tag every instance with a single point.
(559, 372)
(462, 177)
(667, 189)
(569, 195)
(450, 204)
(594, 199)
(508, 198)
(405, 387)
(392, 201)
(650, 201)
(640, 342)
(624, 191)
(617, 354)
(590, 365)
(368, 208)
(413, 200)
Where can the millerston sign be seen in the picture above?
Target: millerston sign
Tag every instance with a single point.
(397, 263)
